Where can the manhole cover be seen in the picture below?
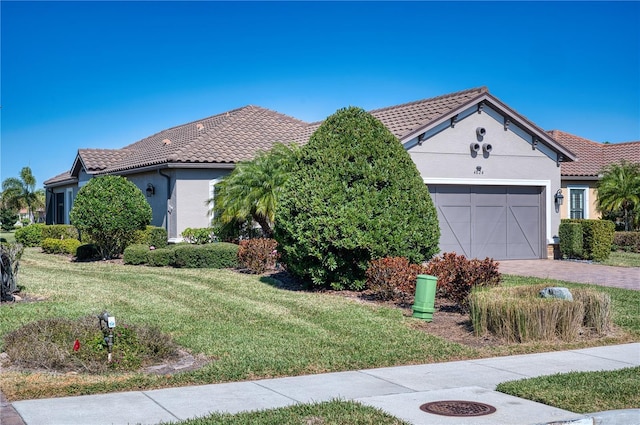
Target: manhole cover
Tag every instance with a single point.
(457, 408)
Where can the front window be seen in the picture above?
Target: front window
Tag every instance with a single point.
(577, 203)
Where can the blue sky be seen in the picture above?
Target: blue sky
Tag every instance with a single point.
(106, 74)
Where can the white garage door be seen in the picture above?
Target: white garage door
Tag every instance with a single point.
(501, 222)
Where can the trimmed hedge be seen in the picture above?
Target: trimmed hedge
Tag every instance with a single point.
(216, 255)
(60, 231)
(627, 241)
(571, 240)
(30, 235)
(60, 246)
(151, 236)
(161, 257)
(136, 254)
(597, 238)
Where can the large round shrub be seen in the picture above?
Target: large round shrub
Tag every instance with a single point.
(109, 209)
(355, 196)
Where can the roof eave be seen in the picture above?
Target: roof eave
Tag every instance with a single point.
(504, 109)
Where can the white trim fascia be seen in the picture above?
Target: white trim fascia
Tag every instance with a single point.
(503, 182)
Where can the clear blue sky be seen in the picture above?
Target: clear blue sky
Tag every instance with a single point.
(106, 74)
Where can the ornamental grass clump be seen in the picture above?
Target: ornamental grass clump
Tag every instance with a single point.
(520, 315)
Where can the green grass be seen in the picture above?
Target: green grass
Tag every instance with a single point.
(334, 412)
(7, 237)
(623, 259)
(248, 327)
(581, 392)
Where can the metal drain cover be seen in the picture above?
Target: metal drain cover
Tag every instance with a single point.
(457, 408)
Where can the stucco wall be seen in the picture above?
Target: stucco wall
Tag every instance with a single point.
(192, 193)
(446, 158)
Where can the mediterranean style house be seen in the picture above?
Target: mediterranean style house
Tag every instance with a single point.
(580, 177)
(493, 175)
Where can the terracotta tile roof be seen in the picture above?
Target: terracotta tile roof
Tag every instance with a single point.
(402, 119)
(224, 138)
(237, 135)
(60, 178)
(96, 160)
(593, 156)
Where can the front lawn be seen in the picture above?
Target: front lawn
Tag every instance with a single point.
(623, 259)
(248, 326)
(581, 392)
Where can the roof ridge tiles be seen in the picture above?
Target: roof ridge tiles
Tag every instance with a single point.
(479, 90)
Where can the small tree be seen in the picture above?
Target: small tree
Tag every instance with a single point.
(109, 209)
(21, 192)
(354, 196)
(8, 218)
(619, 190)
(250, 192)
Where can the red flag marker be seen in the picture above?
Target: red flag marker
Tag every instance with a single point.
(76, 345)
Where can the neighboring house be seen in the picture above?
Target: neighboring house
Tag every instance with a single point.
(492, 173)
(580, 177)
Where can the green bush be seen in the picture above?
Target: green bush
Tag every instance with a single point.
(60, 231)
(136, 254)
(87, 252)
(570, 239)
(157, 236)
(597, 238)
(457, 276)
(160, 257)
(354, 196)
(627, 241)
(198, 236)
(152, 236)
(8, 219)
(109, 209)
(60, 246)
(258, 255)
(30, 236)
(216, 255)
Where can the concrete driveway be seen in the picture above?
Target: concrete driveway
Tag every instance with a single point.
(573, 271)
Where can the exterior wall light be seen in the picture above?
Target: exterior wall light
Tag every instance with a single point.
(558, 197)
(150, 190)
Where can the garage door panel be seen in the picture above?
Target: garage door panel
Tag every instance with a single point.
(524, 231)
(501, 222)
(456, 222)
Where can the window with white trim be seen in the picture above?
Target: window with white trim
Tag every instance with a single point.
(578, 202)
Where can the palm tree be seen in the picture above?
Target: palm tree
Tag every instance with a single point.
(619, 190)
(21, 192)
(250, 192)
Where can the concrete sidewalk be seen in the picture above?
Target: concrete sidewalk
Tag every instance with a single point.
(399, 391)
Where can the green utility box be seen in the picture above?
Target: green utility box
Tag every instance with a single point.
(423, 306)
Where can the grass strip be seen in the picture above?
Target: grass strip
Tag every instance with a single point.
(581, 392)
(333, 412)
